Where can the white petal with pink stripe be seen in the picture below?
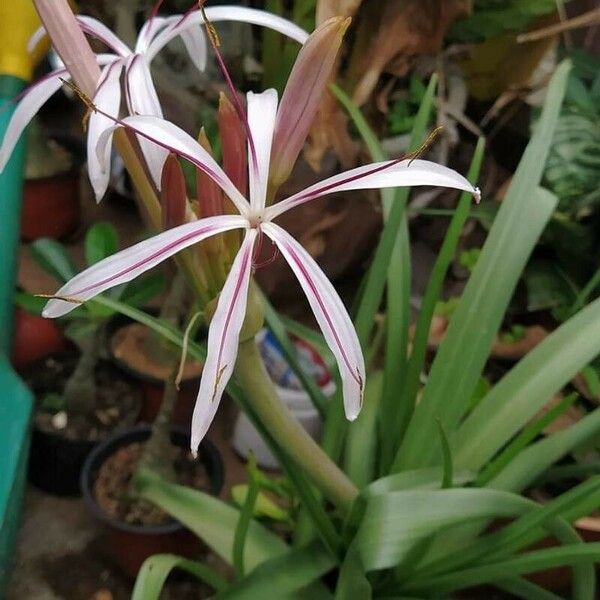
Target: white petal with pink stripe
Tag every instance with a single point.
(223, 339)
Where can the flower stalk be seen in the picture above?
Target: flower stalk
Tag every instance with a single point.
(287, 432)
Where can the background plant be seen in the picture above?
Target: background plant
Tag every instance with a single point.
(86, 325)
(418, 525)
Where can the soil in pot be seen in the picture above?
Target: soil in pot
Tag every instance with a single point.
(112, 485)
(137, 529)
(61, 441)
(129, 348)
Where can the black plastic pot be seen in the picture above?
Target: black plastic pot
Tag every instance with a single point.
(56, 462)
(130, 545)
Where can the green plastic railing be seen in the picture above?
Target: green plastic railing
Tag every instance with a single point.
(15, 398)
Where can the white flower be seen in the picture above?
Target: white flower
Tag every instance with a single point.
(256, 219)
(140, 93)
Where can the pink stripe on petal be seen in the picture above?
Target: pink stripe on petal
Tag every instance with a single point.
(132, 262)
(223, 339)
(331, 316)
(393, 173)
(172, 138)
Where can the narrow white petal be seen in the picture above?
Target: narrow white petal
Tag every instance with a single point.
(379, 175)
(142, 99)
(225, 13)
(101, 32)
(174, 139)
(32, 100)
(331, 315)
(132, 262)
(148, 32)
(223, 339)
(262, 111)
(107, 99)
(195, 44)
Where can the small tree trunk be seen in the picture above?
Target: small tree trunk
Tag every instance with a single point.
(158, 448)
(80, 389)
(156, 455)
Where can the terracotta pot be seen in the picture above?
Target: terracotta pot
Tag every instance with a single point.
(153, 387)
(50, 207)
(130, 545)
(34, 338)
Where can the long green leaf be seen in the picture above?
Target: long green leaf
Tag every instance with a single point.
(573, 554)
(434, 287)
(361, 443)
(283, 576)
(533, 461)
(395, 522)
(521, 393)
(241, 530)
(525, 437)
(352, 582)
(391, 265)
(52, 256)
(523, 532)
(211, 520)
(474, 325)
(521, 588)
(155, 570)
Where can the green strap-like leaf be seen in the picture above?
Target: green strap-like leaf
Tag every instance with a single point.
(409, 389)
(284, 575)
(520, 394)
(539, 560)
(53, 258)
(395, 522)
(101, 241)
(211, 520)
(155, 570)
(463, 353)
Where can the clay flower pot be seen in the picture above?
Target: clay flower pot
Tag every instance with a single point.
(124, 351)
(50, 207)
(34, 338)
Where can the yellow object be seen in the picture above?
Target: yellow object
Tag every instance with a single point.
(18, 21)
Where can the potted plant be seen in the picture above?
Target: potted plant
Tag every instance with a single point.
(135, 528)
(141, 354)
(51, 206)
(398, 502)
(420, 511)
(81, 397)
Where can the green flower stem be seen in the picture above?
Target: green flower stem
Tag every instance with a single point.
(287, 432)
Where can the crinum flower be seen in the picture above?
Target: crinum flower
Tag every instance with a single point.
(140, 94)
(276, 133)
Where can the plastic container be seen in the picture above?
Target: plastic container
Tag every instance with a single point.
(130, 545)
(245, 436)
